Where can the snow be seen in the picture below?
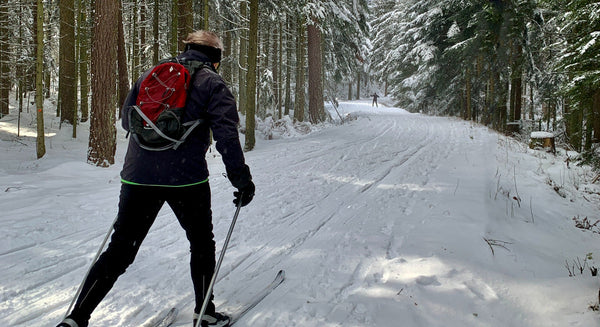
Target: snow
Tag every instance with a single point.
(390, 217)
(541, 135)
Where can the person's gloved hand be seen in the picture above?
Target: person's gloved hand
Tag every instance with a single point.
(244, 194)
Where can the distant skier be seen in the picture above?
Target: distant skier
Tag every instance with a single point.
(178, 177)
(374, 104)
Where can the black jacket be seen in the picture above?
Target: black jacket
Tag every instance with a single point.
(208, 99)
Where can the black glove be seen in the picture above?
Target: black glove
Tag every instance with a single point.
(244, 194)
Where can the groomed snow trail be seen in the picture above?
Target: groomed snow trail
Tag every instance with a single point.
(377, 221)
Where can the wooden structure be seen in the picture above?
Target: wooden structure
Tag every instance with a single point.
(543, 140)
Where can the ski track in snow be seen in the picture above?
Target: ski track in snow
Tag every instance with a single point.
(358, 216)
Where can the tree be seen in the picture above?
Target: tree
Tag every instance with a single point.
(316, 108)
(67, 86)
(579, 61)
(185, 22)
(5, 83)
(251, 76)
(83, 36)
(39, 75)
(123, 85)
(243, 58)
(300, 92)
(102, 143)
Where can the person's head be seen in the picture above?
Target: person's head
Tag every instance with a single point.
(206, 42)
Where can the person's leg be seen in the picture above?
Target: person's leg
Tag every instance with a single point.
(138, 207)
(191, 205)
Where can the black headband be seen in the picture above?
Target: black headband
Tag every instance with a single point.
(213, 54)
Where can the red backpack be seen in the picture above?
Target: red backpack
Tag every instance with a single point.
(155, 119)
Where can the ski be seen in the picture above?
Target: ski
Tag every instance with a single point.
(256, 299)
(259, 297)
(167, 319)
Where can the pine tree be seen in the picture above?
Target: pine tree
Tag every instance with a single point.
(251, 76)
(5, 83)
(67, 85)
(102, 143)
(39, 75)
(580, 62)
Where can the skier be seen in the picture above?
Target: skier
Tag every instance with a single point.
(179, 178)
(375, 96)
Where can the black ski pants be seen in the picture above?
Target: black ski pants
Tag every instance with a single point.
(138, 208)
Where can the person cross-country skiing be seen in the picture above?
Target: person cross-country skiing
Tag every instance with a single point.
(375, 96)
(179, 178)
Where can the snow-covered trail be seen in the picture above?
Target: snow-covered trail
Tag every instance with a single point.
(346, 215)
(377, 221)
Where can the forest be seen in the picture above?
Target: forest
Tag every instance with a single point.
(516, 65)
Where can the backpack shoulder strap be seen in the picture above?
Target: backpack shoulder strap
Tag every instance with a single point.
(194, 65)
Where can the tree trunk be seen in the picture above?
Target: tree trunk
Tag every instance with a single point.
(243, 60)
(277, 67)
(349, 91)
(596, 116)
(155, 34)
(573, 126)
(173, 42)
(102, 144)
(4, 63)
(143, 59)
(588, 127)
(516, 87)
(316, 108)
(288, 70)
(67, 85)
(226, 63)
(185, 24)
(206, 13)
(251, 76)
(39, 75)
(123, 88)
(467, 115)
(84, 47)
(134, 56)
(300, 93)
(358, 75)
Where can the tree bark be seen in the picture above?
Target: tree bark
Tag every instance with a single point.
(67, 65)
(251, 76)
(39, 76)
(288, 71)
(173, 42)
(84, 47)
(596, 116)
(185, 24)
(358, 76)
(123, 89)
(243, 60)
(316, 108)
(155, 45)
(467, 115)
(4, 63)
(300, 93)
(102, 143)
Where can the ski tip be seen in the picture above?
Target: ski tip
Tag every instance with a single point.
(281, 274)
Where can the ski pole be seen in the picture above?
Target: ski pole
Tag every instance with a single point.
(90, 268)
(218, 266)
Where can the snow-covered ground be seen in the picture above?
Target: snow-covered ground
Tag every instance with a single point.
(390, 219)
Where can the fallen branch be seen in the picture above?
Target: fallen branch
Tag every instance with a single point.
(491, 243)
